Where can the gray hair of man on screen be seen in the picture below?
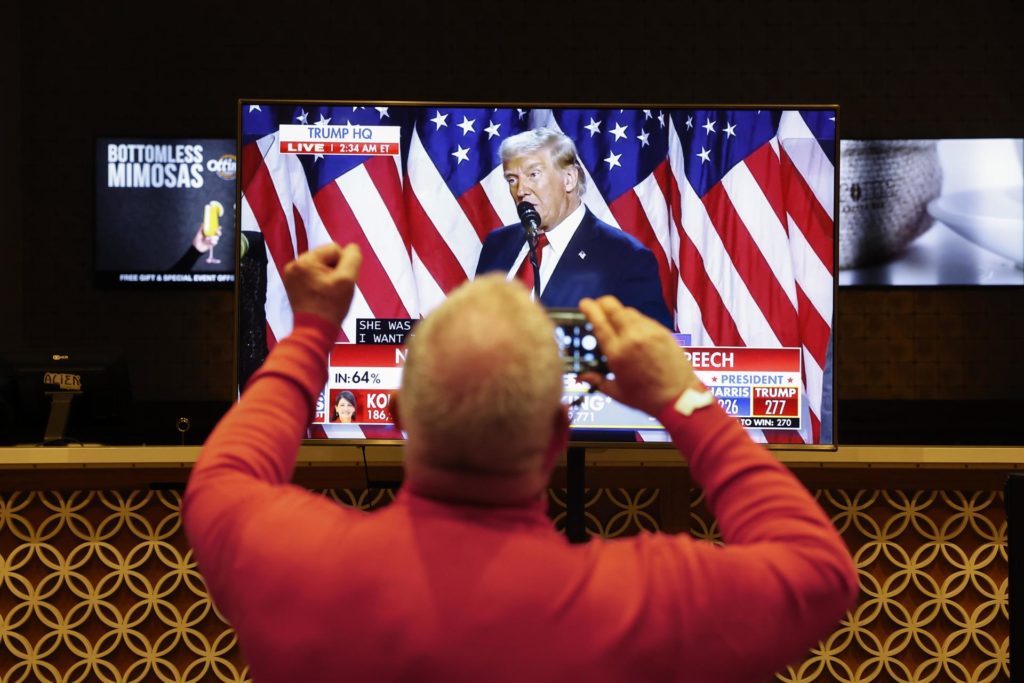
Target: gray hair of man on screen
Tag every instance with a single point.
(562, 148)
(482, 381)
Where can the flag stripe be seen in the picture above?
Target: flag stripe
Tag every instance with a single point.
(385, 173)
(751, 266)
(441, 208)
(279, 311)
(271, 337)
(715, 317)
(811, 162)
(358, 310)
(343, 228)
(441, 265)
(301, 238)
(495, 187)
(811, 274)
(651, 192)
(813, 377)
(662, 179)
(764, 168)
(810, 217)
(766, 232)
(718, 326)
(628, 211)
(431, 294)
(477, 207)
(262, 196)
(813, 330)
(373, 221)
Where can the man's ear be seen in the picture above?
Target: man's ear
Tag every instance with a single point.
(571, 178)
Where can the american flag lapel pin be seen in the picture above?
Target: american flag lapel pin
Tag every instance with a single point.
(583, 254)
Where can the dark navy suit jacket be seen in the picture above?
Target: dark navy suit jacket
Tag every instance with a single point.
(598, 260)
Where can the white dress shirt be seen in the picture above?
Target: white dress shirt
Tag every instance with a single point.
(558, 239)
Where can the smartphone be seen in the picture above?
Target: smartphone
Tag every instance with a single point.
(576, 342)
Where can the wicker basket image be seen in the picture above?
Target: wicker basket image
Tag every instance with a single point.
(884, 190)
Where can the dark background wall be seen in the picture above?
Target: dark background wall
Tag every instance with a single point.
(11, 299)
(897, 69)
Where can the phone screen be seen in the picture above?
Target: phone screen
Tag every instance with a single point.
(577, 343)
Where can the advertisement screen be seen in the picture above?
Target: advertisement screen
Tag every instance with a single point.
(165, 211)
(931, 212)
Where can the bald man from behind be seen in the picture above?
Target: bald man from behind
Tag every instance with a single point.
(463, 577)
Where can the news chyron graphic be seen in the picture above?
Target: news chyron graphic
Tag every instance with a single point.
(165, 212)
(732, 209)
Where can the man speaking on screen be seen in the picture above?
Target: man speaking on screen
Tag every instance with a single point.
(577, 255)
(463, 577)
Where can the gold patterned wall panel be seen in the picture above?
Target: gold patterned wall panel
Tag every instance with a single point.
(101, 585)
(933, 577)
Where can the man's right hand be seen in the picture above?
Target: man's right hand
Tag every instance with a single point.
(650, 369)
(323, 280)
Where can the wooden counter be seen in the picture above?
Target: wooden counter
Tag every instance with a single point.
(961, 467)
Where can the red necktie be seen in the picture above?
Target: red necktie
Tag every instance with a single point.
(525, 272)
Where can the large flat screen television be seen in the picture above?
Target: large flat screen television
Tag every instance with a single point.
(924, 213)
(733, 206)
(165, 213)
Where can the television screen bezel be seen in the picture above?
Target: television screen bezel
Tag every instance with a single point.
(573, 443)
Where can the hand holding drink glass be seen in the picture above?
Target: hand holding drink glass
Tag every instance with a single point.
(209, 232)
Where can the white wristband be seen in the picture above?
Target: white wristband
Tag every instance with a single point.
(693, 399)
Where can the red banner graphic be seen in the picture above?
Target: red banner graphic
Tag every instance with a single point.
(738, 358)
(367, 356)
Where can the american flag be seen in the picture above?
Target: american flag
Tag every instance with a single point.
(735, 205)
(751, 206)
(456, 192)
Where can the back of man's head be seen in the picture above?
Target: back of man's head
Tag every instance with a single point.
(481, 387)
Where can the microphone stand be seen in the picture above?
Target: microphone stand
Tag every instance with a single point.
(575, 457)
(532, 239)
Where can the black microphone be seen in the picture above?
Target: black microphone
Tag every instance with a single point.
(530, 218)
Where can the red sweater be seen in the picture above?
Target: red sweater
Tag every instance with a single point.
(426, 590)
